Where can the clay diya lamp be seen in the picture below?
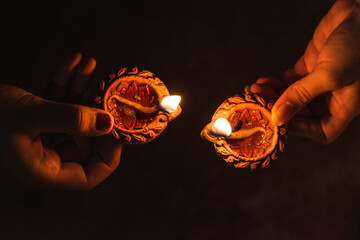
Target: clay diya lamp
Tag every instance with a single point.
(243, 132)
(140, 104)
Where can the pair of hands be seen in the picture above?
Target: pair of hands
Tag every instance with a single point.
(53, 144)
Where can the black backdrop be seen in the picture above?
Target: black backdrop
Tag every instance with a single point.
(175, 187)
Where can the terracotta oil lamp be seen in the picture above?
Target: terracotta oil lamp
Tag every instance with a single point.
(243, 132)
(140, 104)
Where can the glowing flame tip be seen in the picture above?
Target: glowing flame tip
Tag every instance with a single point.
(221, 127)
(170, 103)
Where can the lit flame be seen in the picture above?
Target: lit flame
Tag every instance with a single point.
(170, 103)
(221, 127)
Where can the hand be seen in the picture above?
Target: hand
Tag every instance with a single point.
(321, 94)
(52, 144)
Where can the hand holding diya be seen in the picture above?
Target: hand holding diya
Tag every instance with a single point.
(243, 132)
(140, 104)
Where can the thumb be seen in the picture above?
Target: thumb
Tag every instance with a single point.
(298, 95)
(48, 116)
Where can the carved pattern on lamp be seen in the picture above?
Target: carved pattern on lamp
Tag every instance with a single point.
(134, 99)
(255, 139)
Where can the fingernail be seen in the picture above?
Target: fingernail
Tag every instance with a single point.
(283, 114)
(103, 121)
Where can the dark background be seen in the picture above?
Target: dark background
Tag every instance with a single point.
(176, 187)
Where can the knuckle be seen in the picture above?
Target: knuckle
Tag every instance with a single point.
(300, 94)
(79, 119)
(332, 82)
(330, 79)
